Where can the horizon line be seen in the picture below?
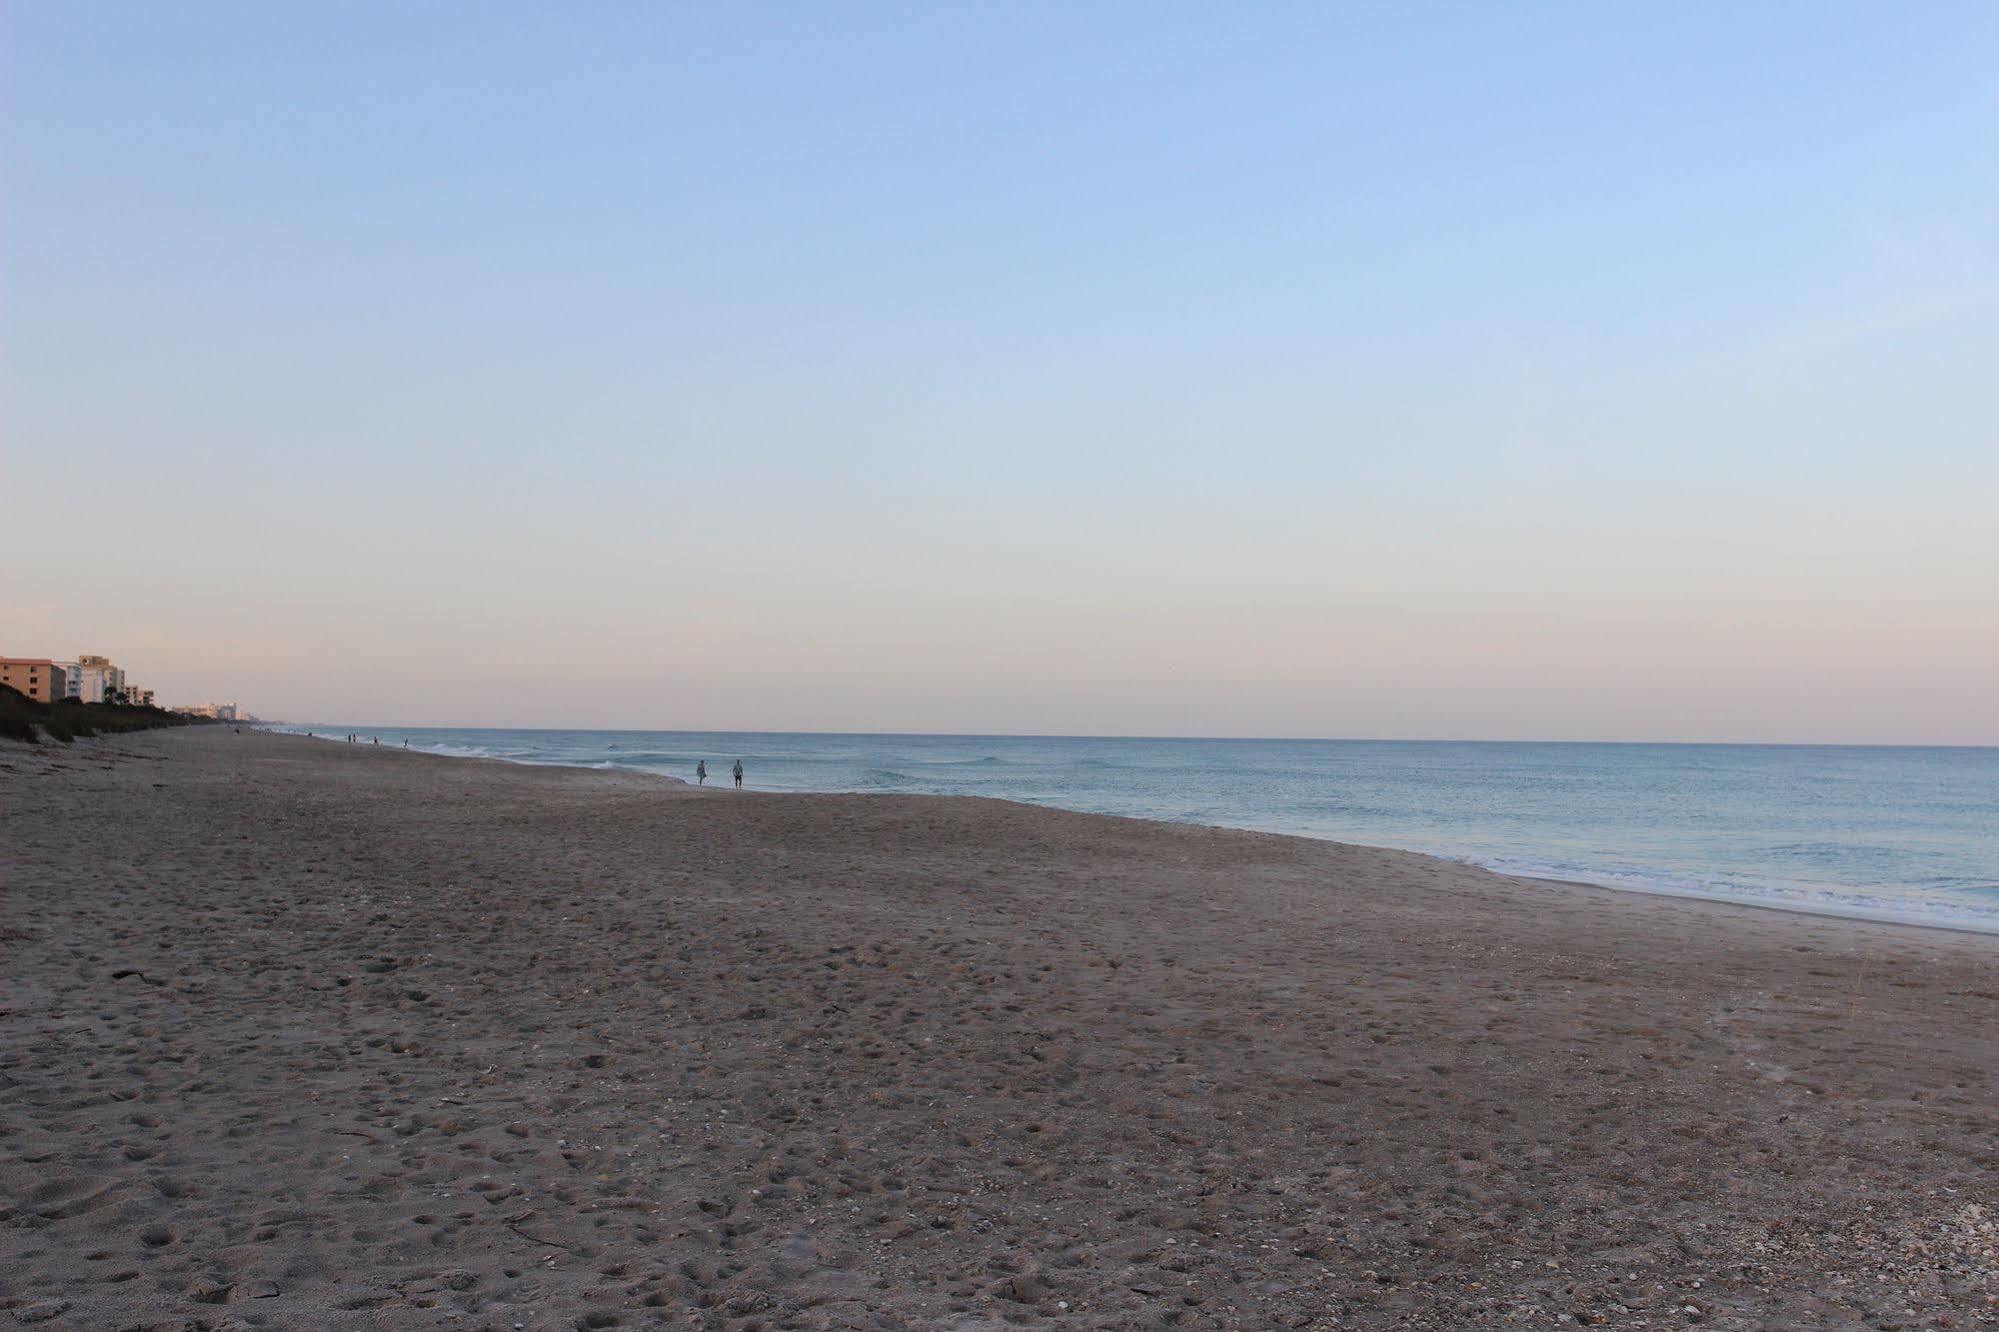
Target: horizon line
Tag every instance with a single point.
(1211, 739)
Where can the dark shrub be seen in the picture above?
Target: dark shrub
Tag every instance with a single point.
(21, 718)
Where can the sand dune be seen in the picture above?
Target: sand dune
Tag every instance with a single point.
(304, 1035)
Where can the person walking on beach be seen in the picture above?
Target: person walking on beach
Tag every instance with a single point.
(701, 773)
(739, 774)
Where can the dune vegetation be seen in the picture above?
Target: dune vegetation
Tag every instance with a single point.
(22, 718)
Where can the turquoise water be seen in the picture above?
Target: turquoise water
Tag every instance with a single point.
(1895, 833)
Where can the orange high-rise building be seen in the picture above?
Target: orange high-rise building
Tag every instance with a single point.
(37, 677)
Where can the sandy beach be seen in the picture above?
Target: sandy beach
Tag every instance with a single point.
(299, 1034)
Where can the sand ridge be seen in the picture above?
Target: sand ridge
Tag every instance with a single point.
(305, 1034)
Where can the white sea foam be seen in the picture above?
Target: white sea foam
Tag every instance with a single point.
(1816, 899)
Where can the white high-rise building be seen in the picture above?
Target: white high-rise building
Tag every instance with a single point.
(87, 683)
(91, 678)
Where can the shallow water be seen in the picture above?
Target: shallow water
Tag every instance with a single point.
(1893, 833)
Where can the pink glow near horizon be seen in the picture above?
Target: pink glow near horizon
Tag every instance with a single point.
(1562, 374)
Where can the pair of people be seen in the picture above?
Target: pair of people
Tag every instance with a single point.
(701, 773)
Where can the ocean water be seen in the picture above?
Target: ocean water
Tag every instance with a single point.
(1908, 834)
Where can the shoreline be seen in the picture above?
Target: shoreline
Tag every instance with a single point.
(356, 1042)
(1883, 916)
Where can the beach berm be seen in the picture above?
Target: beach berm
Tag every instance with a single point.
(300, 1034)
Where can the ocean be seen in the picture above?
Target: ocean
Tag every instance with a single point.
(1905, 834)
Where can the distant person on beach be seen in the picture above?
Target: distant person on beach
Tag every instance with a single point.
(739, 774)
(701, 773)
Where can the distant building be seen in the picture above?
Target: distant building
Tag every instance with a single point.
(92, 679)
(217, 711)
(88, 679)
(114, 677)
(39, 678)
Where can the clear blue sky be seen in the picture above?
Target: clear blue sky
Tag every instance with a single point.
(1569, 371)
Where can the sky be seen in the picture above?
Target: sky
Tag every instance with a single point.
(1557, 371)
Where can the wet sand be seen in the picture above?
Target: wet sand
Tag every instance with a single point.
(299, 1034)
